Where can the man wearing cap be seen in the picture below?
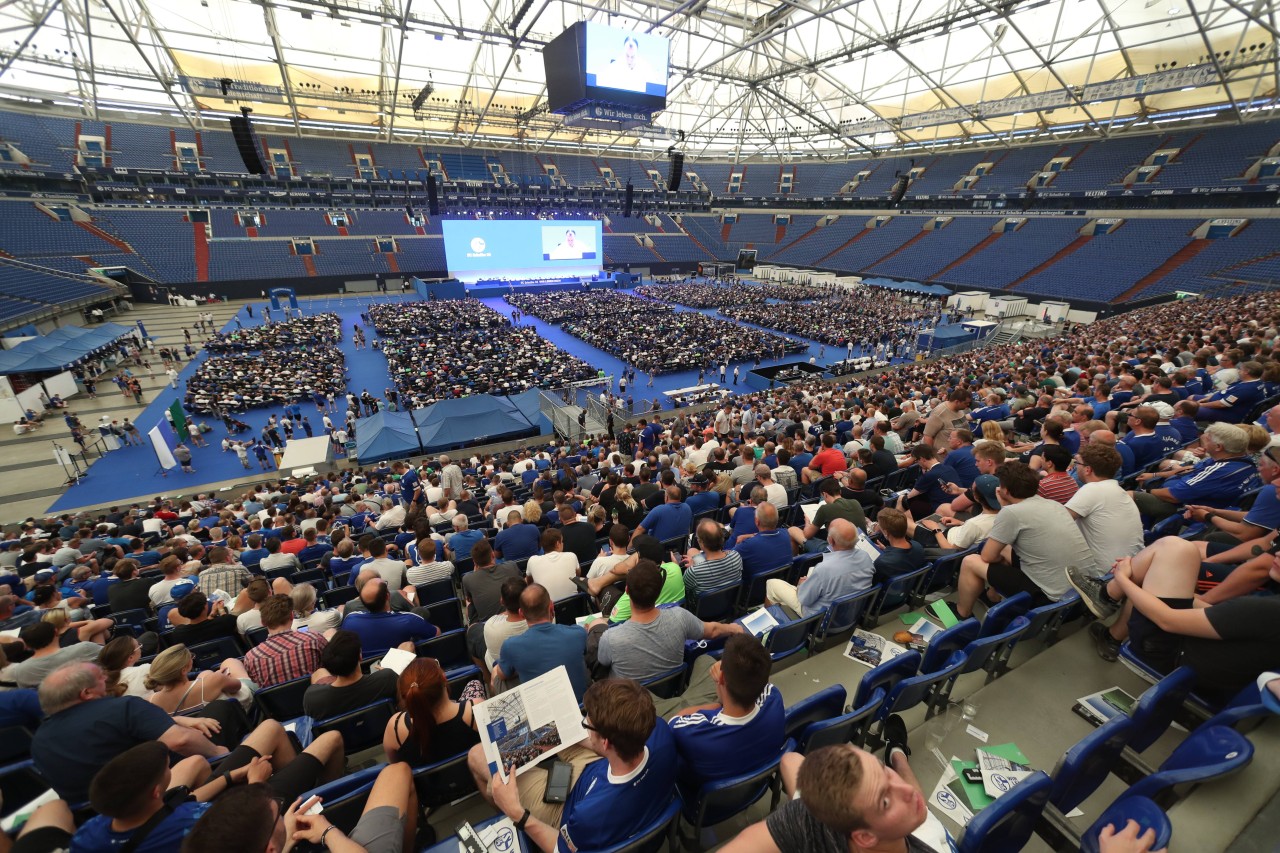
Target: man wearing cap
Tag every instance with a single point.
(701, 497)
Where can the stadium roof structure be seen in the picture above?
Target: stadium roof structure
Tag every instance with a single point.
(779, 79)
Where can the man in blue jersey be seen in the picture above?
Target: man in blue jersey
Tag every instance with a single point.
(1147, 447)
(411, 490)
(1233, 403)
(380, 628)
(1216, 482)
(766, 549)
(612, 799)
(735, 734)
(671, 519)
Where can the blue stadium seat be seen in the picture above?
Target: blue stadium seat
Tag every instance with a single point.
(851, 727)
(1086, 764)
(1140, 809)
(1006, 825)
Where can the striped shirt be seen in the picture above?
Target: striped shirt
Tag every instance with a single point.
(1058, 487)
(713, 574)
(429, 572)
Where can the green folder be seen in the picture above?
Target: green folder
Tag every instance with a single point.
(940, 609)
(910, 619)
(973, 791)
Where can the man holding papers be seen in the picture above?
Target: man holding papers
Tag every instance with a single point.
(611, 799)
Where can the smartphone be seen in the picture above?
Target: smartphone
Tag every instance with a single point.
(469, 839)
(973, 775)
(559, 775)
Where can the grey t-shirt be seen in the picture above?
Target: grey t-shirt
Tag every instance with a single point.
(484, 588)
(644, 650)
(1046, 540)
(31, 672)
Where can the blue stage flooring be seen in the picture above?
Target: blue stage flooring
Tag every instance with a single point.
(134, 471)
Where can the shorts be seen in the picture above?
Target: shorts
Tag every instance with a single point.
(301, 775)
(475, 640)
(1008, 579)
(1212, 574)
(380, 830)
(46, 839)
(1213, 549)
(1154, 646)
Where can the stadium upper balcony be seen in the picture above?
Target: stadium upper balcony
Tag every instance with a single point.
(28, 290)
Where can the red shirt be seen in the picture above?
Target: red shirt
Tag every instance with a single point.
(829, 460)
(293, 546)
(1057, 487)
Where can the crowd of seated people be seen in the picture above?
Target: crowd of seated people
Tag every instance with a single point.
(843, 320)
(646, 484)
(718, 293)
(567, 305)
(447, 349)
(315, 332)
(667, 342)
(236, 382)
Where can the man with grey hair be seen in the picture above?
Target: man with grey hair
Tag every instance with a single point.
(450, 478)
(843, 570)
(392, 517)
(774, 492)
(75, 701)
(1218, 481)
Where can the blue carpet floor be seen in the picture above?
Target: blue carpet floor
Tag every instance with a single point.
(133, 471)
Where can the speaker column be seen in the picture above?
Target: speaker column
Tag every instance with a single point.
(677, 171)
(247, 143)
(626, 204)
(433, 196)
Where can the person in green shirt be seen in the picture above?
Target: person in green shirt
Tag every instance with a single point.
(649, 548)
(812, 538)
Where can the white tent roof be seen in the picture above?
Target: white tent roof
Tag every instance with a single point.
(794, 78)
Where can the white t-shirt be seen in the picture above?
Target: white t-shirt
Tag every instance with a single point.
(971, 531)
(1109, 521)
(555, 571)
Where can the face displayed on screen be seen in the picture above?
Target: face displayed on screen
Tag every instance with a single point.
(478, 250)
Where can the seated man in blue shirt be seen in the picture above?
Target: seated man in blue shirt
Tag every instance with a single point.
(669, 520)
(768, 548)
(1217, 482)
(611, 799)
(902, 554)
(1233, 403)
(843, 570)
(518, 540)
(380, 628)
(740, 731)
(460, 543)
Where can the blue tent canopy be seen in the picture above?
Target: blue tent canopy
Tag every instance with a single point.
(530, 405)
(60, 349)
(386, 435)
(477, 419)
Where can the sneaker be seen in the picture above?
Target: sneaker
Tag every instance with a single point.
(1108, 646)
(1093, 592)
(894, 732)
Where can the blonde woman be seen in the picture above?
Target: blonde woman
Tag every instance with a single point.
(172, 690)
(532, 512)
(629, 511)
(69, 632)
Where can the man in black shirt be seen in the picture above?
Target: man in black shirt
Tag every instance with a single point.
(882, 462)
(340, 685)
(579, 536)
(202, 622)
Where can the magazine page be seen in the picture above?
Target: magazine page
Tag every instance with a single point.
(871, 650)
(529, 723)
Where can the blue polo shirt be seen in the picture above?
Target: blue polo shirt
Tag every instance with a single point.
(700, 502)
(603, 811)
(516, 543)
(744, 522)
(463, 541)
(667, 521)
(544, 647)
(1241, 397)
(965, 466)
(713, 746)
(1265, 512)
(763, 552)
(381, 631)
(1146, 449)
(1216, 483)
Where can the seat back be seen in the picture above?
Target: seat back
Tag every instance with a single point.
(791, 638)
(887, 675)
(211, 654)
(1207, 753)
(445, 615)
(444, 781)
(650, 838)
(1083, 767)
(255, 635)
(1003, 612)
(283, 701)
(845, 613)
(441, 590)
(450, 648)
(720, 800)
(338, 595)
(753, 589)
(990, 652)
(20, 783)
(845, 728)
(947, 641)
(361, 728)
(716, 605)
(826, 704)
(311, 576)
(136, 619)
(896, 591)
(1007, 824)
(947, 569)
(922, 689)
(1141, 810)
(668, 684)
(1047, 619)
(1157, 706)
(569, 609)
